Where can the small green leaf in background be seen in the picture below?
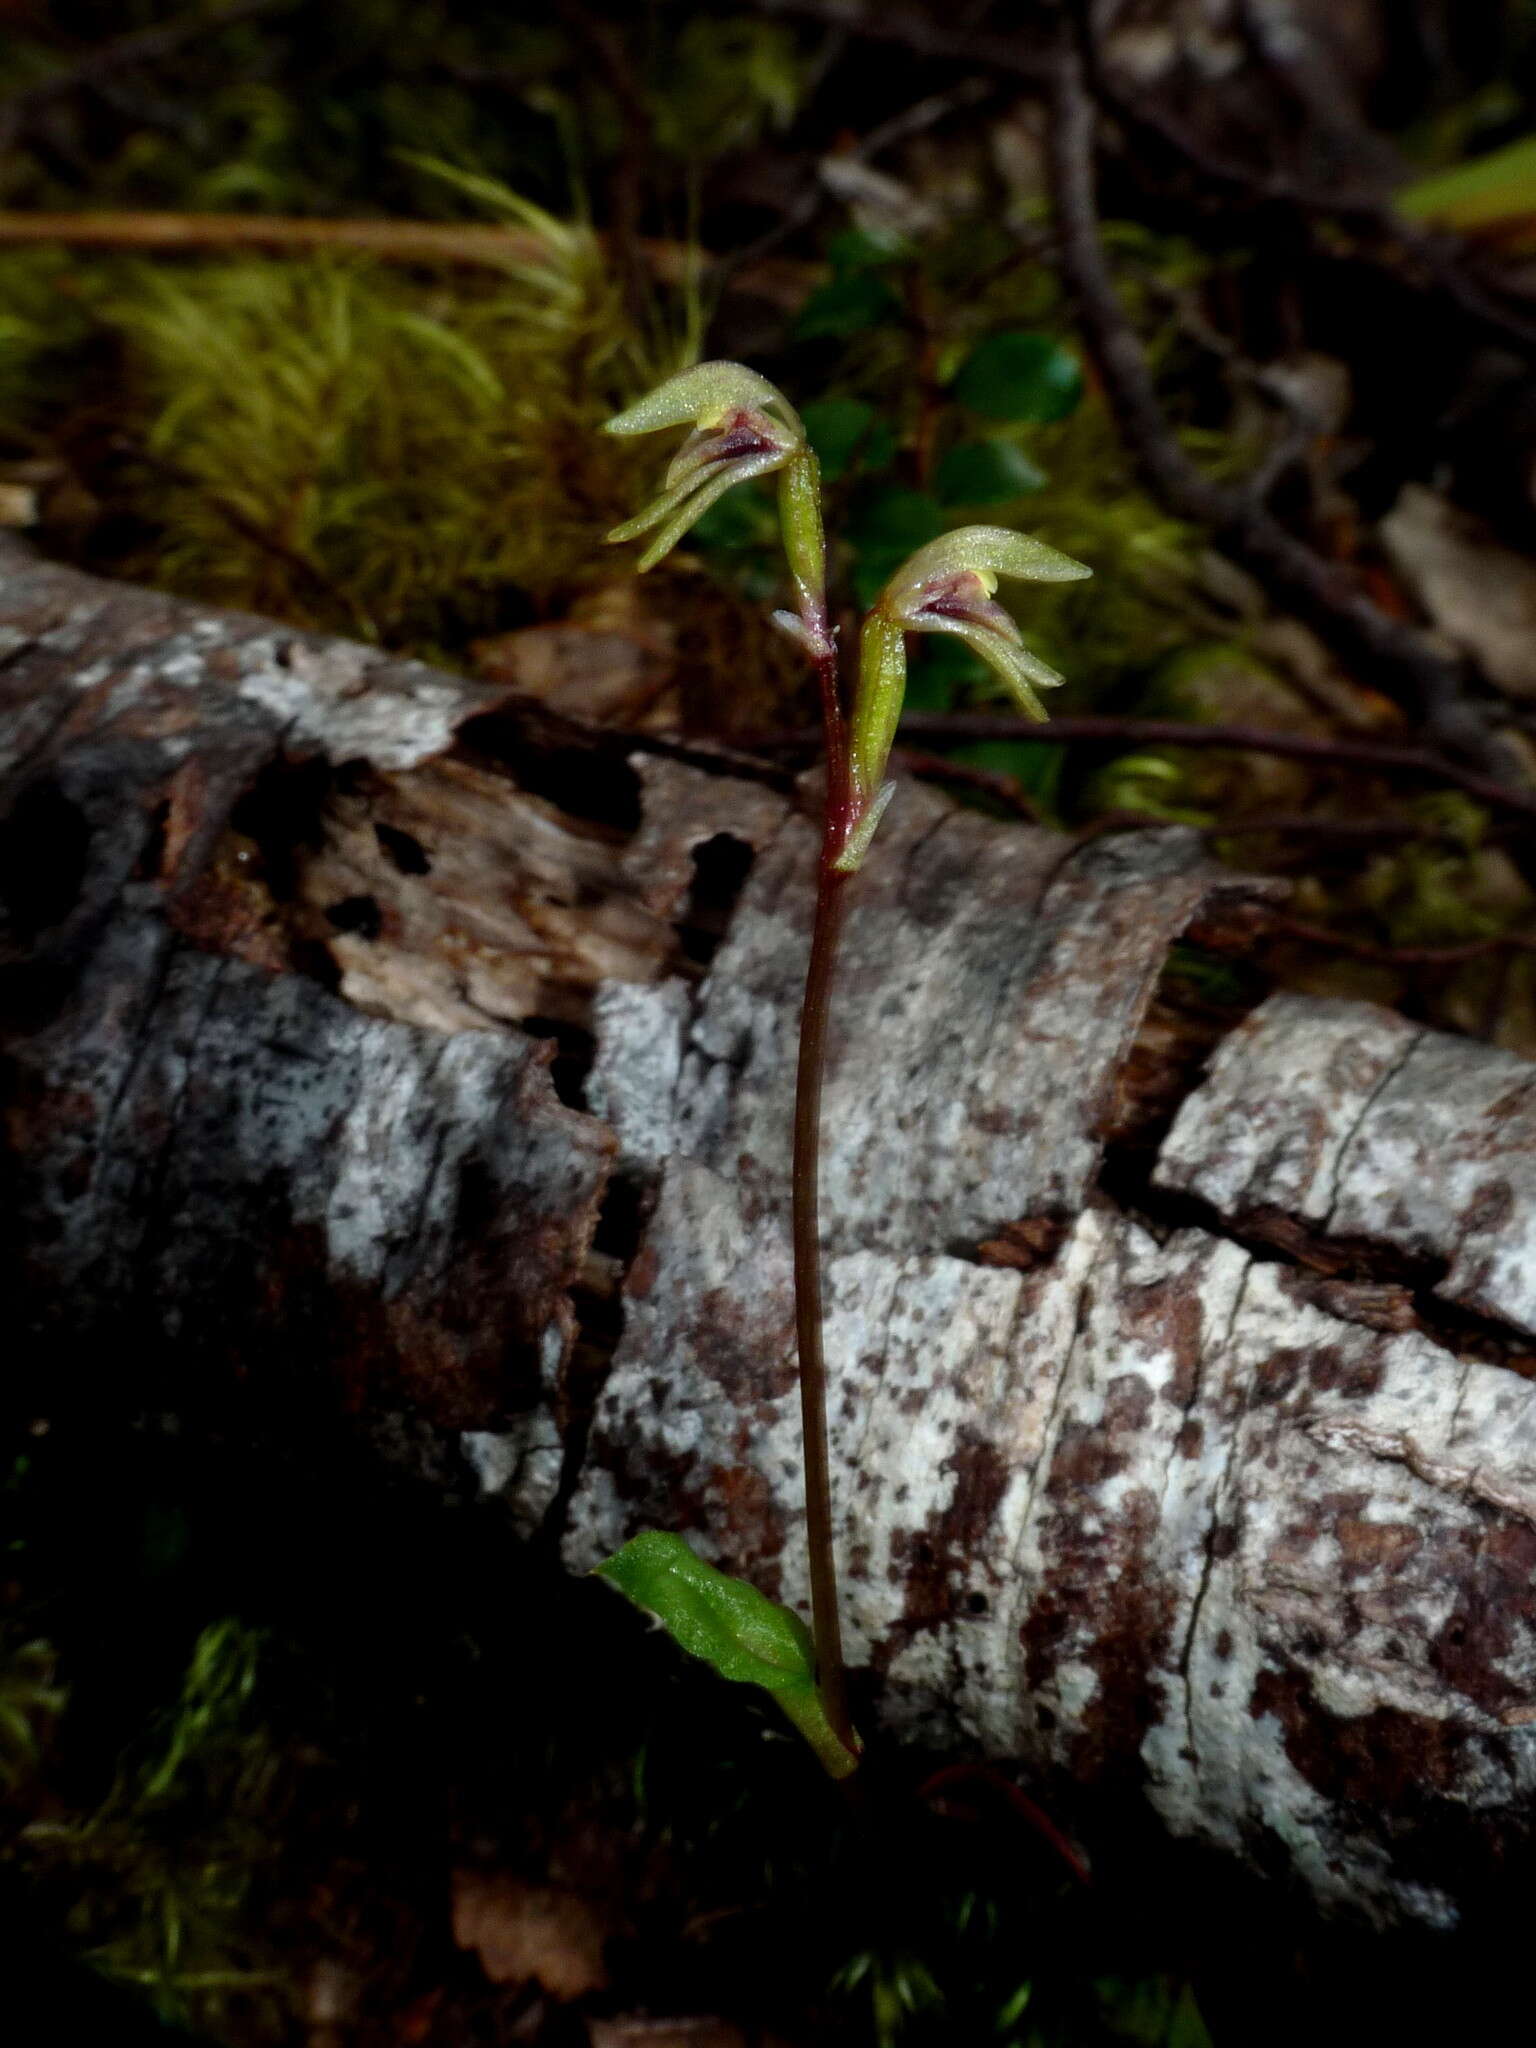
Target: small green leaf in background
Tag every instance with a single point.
(1153, 2012)
(943, 674)
(847, 306)
(1036, 769)
(886, 526)
(846, 433)
(741, 519)
(1490, 191)
(858, 249)
(1020, 377)
(987, 473)
(731, 1626)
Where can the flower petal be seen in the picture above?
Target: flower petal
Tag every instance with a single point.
(986, 551)
(656, 511)
(1011, 662)
(698, 502)
(704, 392)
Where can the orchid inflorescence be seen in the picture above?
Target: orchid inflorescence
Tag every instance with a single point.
(743, 427)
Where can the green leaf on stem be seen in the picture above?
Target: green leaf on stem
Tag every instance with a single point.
(1020, 377)
(1489, 191)
(731, 1626)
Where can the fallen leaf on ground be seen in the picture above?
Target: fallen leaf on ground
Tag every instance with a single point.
(525, 1932)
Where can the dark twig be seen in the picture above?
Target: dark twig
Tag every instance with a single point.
(605, 46)
(1431, 684)
(1005, 790)
(1398, 956)
(907, 122)
(922, 31)
(1364, 207)
(101, 63)
(1284, 825)
(1120, 734)
(1304, 825)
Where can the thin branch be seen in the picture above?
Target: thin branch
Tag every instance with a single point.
(1398, 956)
(101, 63)
(605, 45)
(1120, 734)
(801, 211)
(1365, 208)
(1302, 825)
(922, 32)
(1284, 825)
(1432, 684)
(494, 247)
(1006, 790)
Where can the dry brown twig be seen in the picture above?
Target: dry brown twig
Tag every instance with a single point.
(780, 280)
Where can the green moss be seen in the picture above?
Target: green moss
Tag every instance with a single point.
(333, 442)
(159, 1887)
(344, 444)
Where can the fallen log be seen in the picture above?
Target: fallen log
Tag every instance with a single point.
(1182, 1424)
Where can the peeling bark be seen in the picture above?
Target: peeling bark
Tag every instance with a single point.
(1220, 1495)
(223, 1175)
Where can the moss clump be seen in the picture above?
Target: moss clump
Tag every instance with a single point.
(162, 1885)
(337, 443)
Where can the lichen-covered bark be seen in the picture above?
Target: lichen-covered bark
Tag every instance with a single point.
(1164, 1511)
(1217, 1492)
(221, 1176)
(1375, 1132)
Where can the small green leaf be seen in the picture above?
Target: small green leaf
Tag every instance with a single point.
(845, 307)
(897, 519)
(731, 1626)
(885, 526)
(855, 249)
(1037, 770)
(1020, 377)
(1483, 193)
(846, 434)
(987, 473)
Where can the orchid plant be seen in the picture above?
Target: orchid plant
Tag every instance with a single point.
(742, 427)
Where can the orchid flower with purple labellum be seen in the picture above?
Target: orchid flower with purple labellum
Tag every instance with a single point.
(948, 586)
(743, 427)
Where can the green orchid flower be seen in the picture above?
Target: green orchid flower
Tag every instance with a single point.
(949, 586)
(743, 426)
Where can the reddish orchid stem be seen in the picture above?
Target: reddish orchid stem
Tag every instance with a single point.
(831, 904)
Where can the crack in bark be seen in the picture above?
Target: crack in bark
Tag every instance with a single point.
(1374, 1095)
(1218, 1496)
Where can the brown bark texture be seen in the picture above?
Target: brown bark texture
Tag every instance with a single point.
(375, 1036)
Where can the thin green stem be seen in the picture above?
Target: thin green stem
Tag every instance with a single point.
(831, 904)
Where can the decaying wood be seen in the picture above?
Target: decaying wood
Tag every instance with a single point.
(1202, 1472)
(236, 1173)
